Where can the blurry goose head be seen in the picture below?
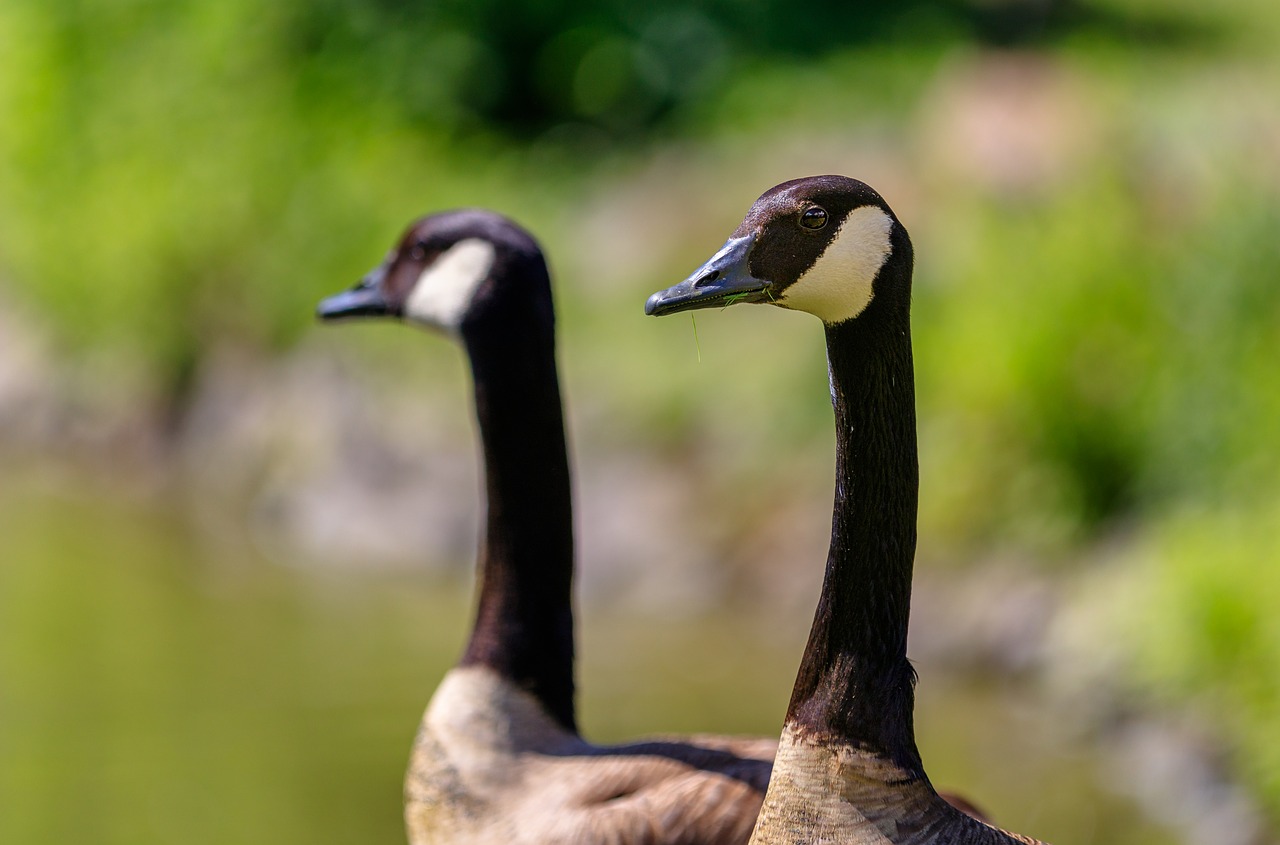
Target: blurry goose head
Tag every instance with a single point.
(455, 271)
(828, 245)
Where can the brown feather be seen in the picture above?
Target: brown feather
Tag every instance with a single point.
(490, 766)
(848, 770)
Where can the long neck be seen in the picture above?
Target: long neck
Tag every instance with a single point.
(847, 769)
(524, 619)
(855, 685)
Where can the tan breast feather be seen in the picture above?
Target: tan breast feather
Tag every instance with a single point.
(489, 766)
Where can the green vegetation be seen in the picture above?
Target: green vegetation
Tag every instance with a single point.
(1095, 214)
(1199, 610)
(1123, 358)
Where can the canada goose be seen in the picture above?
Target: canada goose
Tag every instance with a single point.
(847, 769)
(498, 757)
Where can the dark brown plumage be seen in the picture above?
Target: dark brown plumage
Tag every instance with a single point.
(498, 758)
(847, 769)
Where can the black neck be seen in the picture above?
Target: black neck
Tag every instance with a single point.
(524, 621)
(855, 684)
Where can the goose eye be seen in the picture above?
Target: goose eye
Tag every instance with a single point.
(418, 251)
(813, 218)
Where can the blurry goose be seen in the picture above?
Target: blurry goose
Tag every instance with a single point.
(847, 769)
(498, 757)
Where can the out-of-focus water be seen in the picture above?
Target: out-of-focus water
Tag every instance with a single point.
(161, 683)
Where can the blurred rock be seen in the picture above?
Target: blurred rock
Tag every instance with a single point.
(991, 617)
(1177, 773)
(1167, 759)
(640, 540)
(99, 415)
(324, 468)
(28, 380)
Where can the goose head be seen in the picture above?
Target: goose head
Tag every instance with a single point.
(828, 245)
(456, 271)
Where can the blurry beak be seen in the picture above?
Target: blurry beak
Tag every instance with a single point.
(363, 300)
(724, 280)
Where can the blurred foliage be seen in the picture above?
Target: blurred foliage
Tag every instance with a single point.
(618, 66)
(1096, 345)
(1198, 613)
(175, 173)
(1122, 363)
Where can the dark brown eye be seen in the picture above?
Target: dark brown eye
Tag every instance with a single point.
(813, 218)
(418, 251)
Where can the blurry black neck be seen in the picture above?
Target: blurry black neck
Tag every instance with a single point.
(524, 621)
(855, 684)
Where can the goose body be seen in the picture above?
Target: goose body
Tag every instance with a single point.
(847, 770)
(490, 765)
(498, 757)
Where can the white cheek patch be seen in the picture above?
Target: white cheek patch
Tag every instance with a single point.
(441, 296)
(838, 285)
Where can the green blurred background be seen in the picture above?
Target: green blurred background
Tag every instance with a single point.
(234, 547)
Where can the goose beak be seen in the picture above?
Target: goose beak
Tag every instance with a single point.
(724, 280)
(363, 300)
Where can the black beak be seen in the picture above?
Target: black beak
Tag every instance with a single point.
(724, 280)
(363, 300)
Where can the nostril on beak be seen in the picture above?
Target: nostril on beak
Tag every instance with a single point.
(707, 279)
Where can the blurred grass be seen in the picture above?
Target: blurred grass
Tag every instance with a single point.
(1097, 325)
